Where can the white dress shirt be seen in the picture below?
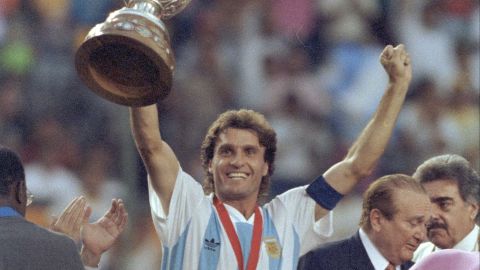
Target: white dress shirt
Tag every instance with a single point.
(379, 262)
(469, 243)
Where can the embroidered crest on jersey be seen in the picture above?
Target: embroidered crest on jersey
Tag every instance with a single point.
(273, 247)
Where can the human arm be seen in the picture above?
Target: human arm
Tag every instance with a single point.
(159, 160)
(364, 154)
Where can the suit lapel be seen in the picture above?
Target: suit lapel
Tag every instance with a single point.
(406, 265)
(359, 259)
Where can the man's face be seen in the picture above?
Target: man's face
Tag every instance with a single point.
(402, 235)
(238, 165)
(452, 217)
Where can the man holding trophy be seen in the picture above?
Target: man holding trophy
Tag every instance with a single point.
(224, 225)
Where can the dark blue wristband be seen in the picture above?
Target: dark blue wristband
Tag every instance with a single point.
(324, 194)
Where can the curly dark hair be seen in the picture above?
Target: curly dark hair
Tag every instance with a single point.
(242, 119)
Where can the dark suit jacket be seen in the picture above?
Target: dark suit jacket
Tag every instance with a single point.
(26, 246)
(347, 254)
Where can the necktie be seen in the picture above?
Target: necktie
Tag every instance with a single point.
(390, 266)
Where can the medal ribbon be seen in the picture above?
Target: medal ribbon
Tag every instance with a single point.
(232, 235)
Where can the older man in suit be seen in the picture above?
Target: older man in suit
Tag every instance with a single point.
(392, 226)
(25, 246)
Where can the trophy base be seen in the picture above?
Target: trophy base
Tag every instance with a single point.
(127, 59)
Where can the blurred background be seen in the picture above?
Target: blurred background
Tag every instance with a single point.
(311, 66)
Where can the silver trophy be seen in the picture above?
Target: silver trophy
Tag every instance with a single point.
(128, 58)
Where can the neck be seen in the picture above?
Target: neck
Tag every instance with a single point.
(246, 207)
(462, 242)
(382, 246)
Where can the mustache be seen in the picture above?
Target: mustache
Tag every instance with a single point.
(436, 225)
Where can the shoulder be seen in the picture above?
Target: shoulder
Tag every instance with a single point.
(338, 245)
(44, 249)
(406, 265)
(54, 236)
(30, 230)
(333, 255)
(291, 201)
(331, 250)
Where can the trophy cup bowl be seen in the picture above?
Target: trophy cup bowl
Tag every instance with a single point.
(128, 58)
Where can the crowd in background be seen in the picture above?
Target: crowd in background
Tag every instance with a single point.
(311, 66)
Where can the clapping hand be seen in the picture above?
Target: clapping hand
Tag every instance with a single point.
(96, 237)
(99, 236)
(72, 218)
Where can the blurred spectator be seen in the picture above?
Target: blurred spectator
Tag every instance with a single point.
(84, 14)
(293, 19)
(53, 71)
(298, 152)
(458, 17)
(16, 49)
(299, 80)
(474, 33)
(467, 77)
(420, 28)
(144, 249)
(349, 21)
(98, 180)
(351, 87)
(14, 124)
(215, 26)
(99, 186)
(352, 58)
(464, 112)
(49, 178)
(259, 43)
(424, 123)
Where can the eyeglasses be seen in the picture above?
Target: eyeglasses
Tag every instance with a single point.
(29, 197)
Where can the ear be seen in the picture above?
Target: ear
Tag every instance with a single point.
(210, 171)
(376, 219)
(265, 169)
(473, 209)
(20, 192)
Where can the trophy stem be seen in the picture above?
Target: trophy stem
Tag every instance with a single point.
(151, 7)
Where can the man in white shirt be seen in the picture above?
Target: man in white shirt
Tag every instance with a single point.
(395, 211)
(222, 226)
(454, 190)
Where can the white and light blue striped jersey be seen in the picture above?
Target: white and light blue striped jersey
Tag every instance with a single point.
(194, 238)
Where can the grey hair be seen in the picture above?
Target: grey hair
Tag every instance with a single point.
(452, 167)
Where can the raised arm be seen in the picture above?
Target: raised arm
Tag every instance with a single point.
(364, 154)
(159, 160)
